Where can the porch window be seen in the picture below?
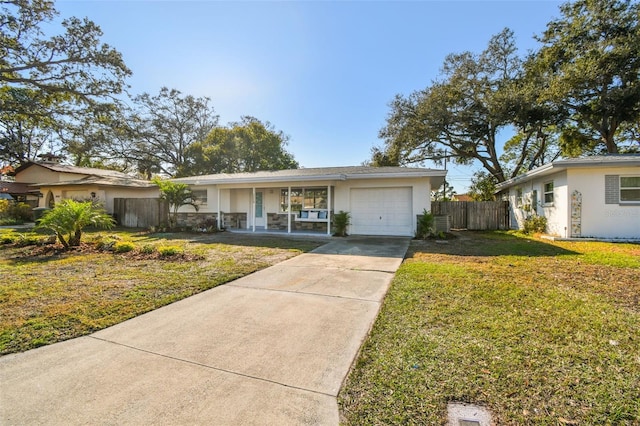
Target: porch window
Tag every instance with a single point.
(548, 193)
(304, 198)
(315, 198)
(629, 189)
(296, 199)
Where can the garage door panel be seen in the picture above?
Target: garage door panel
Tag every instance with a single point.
(381, 211)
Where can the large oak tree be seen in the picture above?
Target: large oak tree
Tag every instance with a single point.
(49, 82)
(462, 114)
(590, 60)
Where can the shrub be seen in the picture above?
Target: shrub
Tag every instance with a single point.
(209, 225)
(22, 212)
(104, 242)
(5, 205)
(147, 249)
(341, 222)
(12, 213)
(425, 225)
(535, 225)
(8, 239)
(169, 250)
(123, 246)
(68, 218)
(30, 240)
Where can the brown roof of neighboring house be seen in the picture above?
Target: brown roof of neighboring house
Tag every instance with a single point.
(14, 188)
(127, 181)
(64, 168)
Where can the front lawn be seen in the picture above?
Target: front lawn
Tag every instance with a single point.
(538, 332)
(48, 295)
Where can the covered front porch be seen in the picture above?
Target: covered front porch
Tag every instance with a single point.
(291, 209)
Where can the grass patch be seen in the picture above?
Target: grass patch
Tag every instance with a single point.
(539, 333)
(48, 295)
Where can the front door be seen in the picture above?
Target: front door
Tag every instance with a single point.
(259, 206)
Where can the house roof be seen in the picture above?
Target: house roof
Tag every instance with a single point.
(596, 161)
(313, 174)
(13, 188)
(127, 181)
(64, 168)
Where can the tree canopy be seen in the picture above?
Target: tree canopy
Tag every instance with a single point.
(48, 82)
(462, 114)
(580, 93)
(164, 126)
(245, 146)
(590, 59)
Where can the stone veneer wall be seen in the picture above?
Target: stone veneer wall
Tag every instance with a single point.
(231, 220)
(195, 219)
(235, 220)
(277, 221)
(239, 221)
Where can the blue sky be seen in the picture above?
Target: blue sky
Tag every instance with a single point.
(323, 72)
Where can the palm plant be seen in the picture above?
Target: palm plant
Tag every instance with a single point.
(341, 222)
(177, 195)
(69, 217)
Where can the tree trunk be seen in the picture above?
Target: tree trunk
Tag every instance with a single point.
(75, 240)
(612, 148)
(62, 240)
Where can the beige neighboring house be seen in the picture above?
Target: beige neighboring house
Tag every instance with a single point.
(54, 182)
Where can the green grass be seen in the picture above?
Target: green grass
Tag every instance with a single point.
(539, 333)
(47, 296)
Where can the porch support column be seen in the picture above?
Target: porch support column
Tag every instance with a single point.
(219, 212)
(252, 205)
(328, 209)
(289, 210)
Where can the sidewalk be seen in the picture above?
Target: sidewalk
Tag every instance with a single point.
(271, 348)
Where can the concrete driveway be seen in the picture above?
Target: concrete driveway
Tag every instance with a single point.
(272, 348)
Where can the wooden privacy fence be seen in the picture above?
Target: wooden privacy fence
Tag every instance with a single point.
(474, 215)
(140, 212)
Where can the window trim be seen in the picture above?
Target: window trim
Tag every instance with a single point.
(621, 188)
(197, 199)
(300, 196)
(546, 193)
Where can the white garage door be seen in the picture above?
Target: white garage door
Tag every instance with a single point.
(381, 211)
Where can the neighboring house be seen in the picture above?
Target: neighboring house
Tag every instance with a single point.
(54, 182)
(462, 197)
(16, 192)
(582, 197)
(381, 201)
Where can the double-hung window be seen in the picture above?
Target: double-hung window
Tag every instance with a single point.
(630, 189)
(200, 196)
(548, 193)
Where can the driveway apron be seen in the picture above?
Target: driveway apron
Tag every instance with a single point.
(272, 348)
